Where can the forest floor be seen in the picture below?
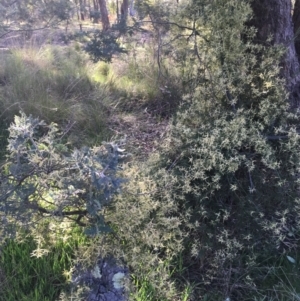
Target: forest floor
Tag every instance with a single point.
(143, 131)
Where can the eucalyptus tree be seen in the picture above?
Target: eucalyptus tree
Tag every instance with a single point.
(278, 23)
(104, 15)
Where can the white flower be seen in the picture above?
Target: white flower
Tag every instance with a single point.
(118, 280)
(96, 272)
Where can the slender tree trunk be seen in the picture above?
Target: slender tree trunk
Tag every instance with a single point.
(118, 12)
(104, 15)
(273, 18)
(95, 13)
(84, 9)
(96, 8)
(296, 21)
(90, 9)
(77, 10)
(81, 10)
(131, 8)
(124, 10)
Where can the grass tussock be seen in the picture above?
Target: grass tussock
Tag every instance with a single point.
(26, 275)
(54, 83)
(138, 82)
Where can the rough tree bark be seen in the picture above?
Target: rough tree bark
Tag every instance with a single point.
(276, 18)
(104, 15)
(296, 21)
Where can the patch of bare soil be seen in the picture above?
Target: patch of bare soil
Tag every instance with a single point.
(144, 132)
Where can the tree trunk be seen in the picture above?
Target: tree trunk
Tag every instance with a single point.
(273, 18)
(296, 21)
(118, 12)
(124, 10)
(77, 10)
(81, 10)
(104, 15)
(95, 15)
(131, 8)
(95, 5)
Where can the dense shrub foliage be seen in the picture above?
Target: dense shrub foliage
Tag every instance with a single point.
(230, 162)
(42, 178)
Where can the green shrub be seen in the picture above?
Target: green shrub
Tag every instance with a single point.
(143, 237)
(230, 162)
(42, 179)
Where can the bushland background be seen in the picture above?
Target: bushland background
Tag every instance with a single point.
(164, 134)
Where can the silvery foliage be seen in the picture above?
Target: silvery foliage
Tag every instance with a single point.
(43, 178)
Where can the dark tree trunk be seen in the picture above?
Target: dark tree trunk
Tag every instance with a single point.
(94, 14)
(84, 10)
(118, 12)
(296, 21)
(77, 10)
(124, 10)
(81, 10)
(273, 18)
(104, 15)
(131, 8)
(96, 8)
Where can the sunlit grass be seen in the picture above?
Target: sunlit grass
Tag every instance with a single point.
(55, 84)
(26, 276)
